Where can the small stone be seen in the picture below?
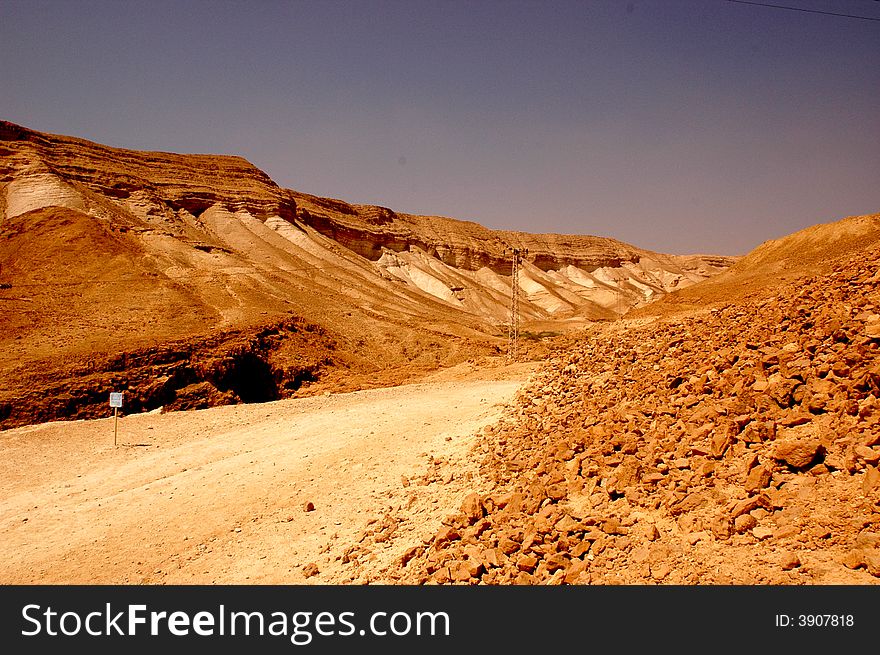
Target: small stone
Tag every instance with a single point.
(786, 532)
(759, 513)
(523, 579)
(747, 505)
(442, 575)
(757, 479)
(798, 453)
(789, 561)
(660, 571)
(575, 572)
(489, 557)
(309, 507)
(557, 491)
(567, 524)
(761, 533)
(580, 548)
(527, 563)
(722, 527)
(445, 535)
(757, 432)
(750, 463)
(744, 523)
(310, 570)
(868, 540)
(820, 532)
(869, 455)
(556, 561)
(819, 469)
(777, 497)
(871, 480)
(472, 507)
(854, 559)
(612, 526)
(410, 553)
(722, 439)
(796, 419)
(472, 568)
(689, 503)
(459, 572)
(650, 532)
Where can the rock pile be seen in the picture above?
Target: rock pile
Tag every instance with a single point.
(739, 445)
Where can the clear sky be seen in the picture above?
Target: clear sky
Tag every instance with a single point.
(676, 125)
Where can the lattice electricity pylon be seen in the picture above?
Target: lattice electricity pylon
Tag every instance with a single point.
(513, 325)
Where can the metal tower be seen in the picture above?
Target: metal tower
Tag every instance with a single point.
(513, 326)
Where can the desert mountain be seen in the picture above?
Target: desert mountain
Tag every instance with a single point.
(192, 280)
(466, 264)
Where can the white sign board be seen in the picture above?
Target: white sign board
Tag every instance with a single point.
(116, 399)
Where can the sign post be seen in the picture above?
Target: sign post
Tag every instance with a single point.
(115, 403)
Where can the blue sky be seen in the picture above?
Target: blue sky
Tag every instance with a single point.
(675, 125)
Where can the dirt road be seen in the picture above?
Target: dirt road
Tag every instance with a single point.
(220, 495)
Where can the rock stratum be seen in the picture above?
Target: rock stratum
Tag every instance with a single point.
(119, 268)
(463, 262)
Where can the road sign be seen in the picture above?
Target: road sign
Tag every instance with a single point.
(115, 403)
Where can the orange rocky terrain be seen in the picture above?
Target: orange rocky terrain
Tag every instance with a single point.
(195, 280)
(727, 430)
(735, 444)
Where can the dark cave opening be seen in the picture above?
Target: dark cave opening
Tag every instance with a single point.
(250, 378)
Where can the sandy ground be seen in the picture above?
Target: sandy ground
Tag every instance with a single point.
(219, 495)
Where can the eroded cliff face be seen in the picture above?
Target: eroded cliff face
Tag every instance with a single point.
(40, 170)
(564, 275)
(370, 230)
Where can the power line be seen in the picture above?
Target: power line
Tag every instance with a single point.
(802, 9)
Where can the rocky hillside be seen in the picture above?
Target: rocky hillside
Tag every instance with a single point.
(468, 265)
(108, 253)
(734, 445)
(163, 189)
(774, 263)
(210, 202)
